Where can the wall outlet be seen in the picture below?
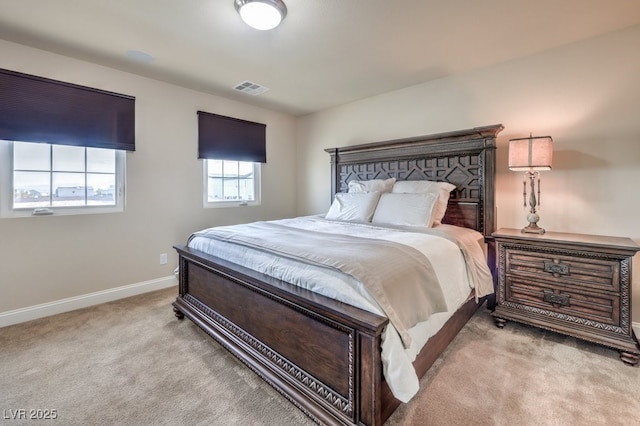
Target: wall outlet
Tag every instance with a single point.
(163, 258)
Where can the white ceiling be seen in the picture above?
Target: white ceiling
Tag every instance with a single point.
(325, 53)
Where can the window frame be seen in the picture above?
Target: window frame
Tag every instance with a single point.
(231, 203)
(7, 189)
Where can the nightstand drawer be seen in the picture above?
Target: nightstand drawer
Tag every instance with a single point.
(564, 269)
(601, 307)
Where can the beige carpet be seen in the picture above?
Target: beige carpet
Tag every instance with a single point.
(131, 362)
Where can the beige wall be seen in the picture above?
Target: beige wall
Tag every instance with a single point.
(585, 95)
(46, 259)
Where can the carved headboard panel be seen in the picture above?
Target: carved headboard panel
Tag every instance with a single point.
(465, 158)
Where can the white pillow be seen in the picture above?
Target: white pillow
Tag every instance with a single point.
(353, 207)
(374, 185)
(441, 189)
(405, 209)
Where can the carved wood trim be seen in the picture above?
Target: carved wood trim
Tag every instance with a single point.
(568, 318)
(344, 405)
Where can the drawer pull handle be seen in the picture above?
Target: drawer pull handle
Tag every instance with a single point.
(560, 299)
(556, 268)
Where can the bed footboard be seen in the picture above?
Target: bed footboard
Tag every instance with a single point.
(323, 355)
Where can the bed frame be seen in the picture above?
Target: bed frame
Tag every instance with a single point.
(324, 355)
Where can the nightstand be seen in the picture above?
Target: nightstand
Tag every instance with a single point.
(575, 284)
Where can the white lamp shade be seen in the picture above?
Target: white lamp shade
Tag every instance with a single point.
(261, 14)
(532, 153)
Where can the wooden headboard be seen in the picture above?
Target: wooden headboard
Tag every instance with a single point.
(465, 158)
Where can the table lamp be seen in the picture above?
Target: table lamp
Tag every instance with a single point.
(531, 155)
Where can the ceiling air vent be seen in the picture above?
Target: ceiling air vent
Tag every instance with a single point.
(250, 88)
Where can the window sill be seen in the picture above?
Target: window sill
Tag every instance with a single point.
(228, 204)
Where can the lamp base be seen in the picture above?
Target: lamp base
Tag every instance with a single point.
(532, 228)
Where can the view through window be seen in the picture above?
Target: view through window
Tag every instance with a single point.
(47, 175)
(231, 181)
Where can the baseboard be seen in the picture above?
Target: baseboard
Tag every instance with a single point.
(65, 305)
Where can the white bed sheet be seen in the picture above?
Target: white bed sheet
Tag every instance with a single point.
(445, 256)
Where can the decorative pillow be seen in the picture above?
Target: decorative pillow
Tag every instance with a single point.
(441, 189)
(353, 207)
(374, 185)
(405, 209)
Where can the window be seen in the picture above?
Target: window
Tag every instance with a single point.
(62, 146)
(232, 150)
(41, 179)
(231, 183)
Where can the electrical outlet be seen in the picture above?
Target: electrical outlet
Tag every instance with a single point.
(163, 258)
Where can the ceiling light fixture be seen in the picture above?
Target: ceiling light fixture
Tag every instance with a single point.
(261, 14)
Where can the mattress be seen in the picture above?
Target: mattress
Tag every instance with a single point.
(449, 262)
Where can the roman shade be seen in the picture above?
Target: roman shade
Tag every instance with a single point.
(227, 138)
(37, 109)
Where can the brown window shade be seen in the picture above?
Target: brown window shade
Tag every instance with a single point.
(227, 138)
(36, 109)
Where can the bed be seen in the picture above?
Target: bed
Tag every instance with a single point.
(322, 354)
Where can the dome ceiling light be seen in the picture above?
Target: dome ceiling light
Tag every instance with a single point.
(261, 14)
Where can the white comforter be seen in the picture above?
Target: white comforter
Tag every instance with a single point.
(445, 256)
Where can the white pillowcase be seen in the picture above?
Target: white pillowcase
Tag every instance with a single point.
(374, 185)
(353, 207)
(405, 209)
(440, 189)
